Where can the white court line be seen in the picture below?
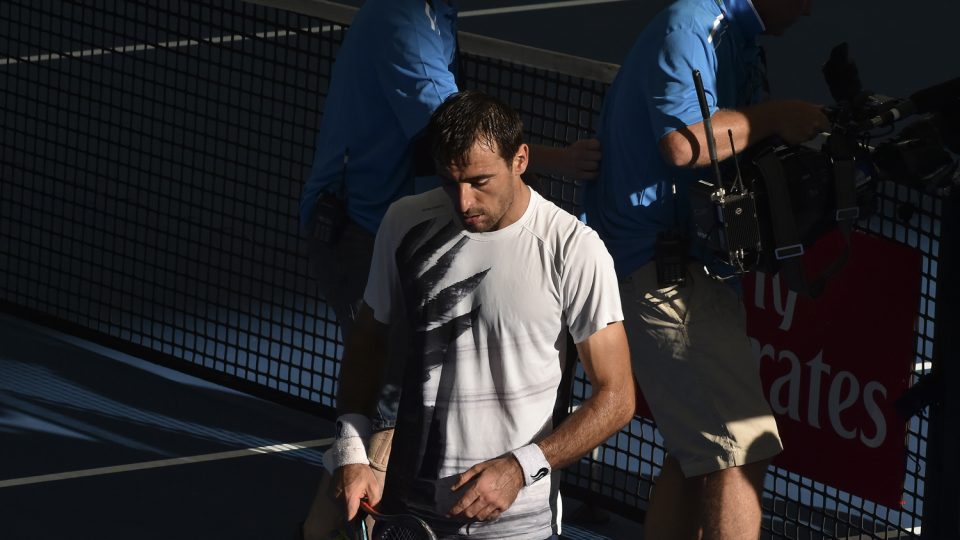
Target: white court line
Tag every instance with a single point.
(186, 460)
(165, 45)
(534, 7)
(279, 33)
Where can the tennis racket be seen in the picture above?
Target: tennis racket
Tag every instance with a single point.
(393, 526)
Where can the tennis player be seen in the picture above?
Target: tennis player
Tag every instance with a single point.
(396, 65)
(487, 277)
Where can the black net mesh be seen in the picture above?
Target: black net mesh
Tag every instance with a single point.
(151, 163)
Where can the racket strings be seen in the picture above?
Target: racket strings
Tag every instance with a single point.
(398, 532)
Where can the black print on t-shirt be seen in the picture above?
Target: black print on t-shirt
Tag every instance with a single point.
(426, 307)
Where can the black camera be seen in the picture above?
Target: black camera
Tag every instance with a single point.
(791, 196)
(782, 198)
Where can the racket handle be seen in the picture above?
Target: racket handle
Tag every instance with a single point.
(357, 529)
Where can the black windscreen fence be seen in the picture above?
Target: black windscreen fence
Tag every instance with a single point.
(152, 156)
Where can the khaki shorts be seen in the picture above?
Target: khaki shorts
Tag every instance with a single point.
(694, 363)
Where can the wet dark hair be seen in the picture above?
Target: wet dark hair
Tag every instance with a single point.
(468, 117)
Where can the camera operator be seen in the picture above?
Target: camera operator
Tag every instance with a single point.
(687, 336)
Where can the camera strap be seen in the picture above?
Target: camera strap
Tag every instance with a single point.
(841, 148)
(789, 248)
(671, 252)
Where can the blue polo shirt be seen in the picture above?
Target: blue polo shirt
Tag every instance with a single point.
(395, 66)
(654, 94)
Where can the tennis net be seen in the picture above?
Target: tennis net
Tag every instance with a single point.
(152, 159)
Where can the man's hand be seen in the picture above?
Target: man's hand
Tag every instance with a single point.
(582, 160)
(800, 121)
(579, 161)
(354, 482)
(491, 487)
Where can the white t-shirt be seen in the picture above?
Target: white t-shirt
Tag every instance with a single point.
(488, 315)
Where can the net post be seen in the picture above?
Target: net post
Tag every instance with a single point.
(941, 516)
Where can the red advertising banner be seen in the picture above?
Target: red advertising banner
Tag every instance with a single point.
(832, 367)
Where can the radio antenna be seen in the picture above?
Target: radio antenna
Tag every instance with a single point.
(738, 182)
(708, 128)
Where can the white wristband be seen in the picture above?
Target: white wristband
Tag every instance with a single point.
(353, 425)
(345, 451)
(534, 464)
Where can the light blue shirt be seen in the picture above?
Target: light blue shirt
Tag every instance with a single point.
(395, 66)
(653, 95)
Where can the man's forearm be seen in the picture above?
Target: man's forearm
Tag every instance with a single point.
(545, 159)
(580, 160)
(597, 418)
(687, 147)
(794, 121)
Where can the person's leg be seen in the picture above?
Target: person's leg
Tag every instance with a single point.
(694, 364)
(673, 503)
(325, 517)
(656, 321)
(732, 493)
(721, 505)
(731, 502)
